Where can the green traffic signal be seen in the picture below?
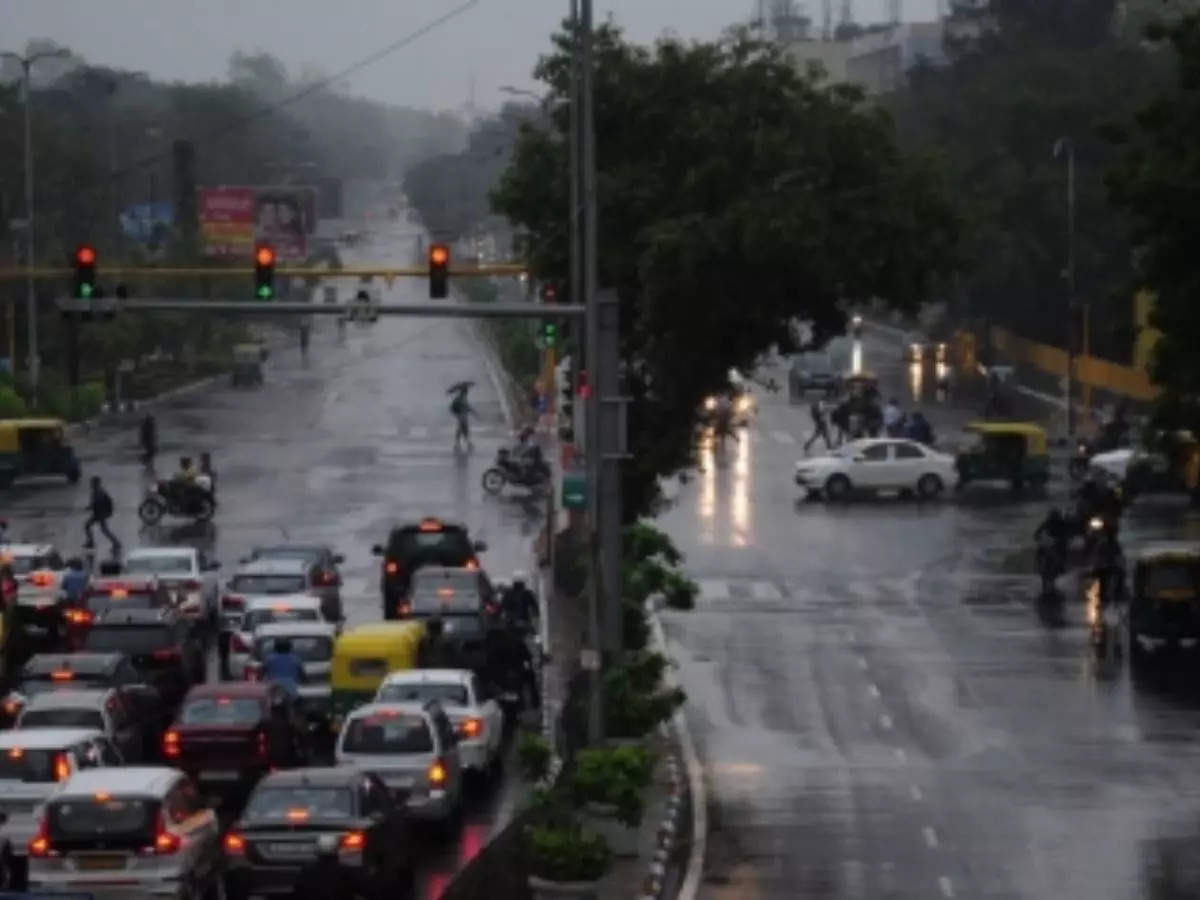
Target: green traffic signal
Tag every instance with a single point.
(551, 332)
(265, 292)
(86, 290)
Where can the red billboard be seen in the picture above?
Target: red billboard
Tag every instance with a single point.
(233, 219)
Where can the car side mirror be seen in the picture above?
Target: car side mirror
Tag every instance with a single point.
(338, 559)
(480, 546)
(377, 550)
(213, 565)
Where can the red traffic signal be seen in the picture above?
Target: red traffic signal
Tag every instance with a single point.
(264, 256)
(264, 272)
(439, 255)
(85, 255)
(439, 259)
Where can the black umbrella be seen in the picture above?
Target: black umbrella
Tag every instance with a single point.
(460, 386)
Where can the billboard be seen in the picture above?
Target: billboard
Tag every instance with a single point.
(233, 219)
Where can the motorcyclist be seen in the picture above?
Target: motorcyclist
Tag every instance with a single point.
(148, 435)
(723, 421)
(1052, 537)
(207, 472)
(74, 581)
(326, 877)
(509, 665)
(1108, 564)
(528, 455)
(283, 666)
(518, 602)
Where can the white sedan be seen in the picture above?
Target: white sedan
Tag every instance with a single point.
(877, 464)
(186, 572)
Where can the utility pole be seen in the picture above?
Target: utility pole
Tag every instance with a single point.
(1064, 146)
(26, 63)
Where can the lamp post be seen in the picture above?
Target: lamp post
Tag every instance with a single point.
(1065, 147)
(26, 63)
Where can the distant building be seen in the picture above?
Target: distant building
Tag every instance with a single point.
(877, 58)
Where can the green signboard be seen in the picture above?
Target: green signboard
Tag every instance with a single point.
(574, 490)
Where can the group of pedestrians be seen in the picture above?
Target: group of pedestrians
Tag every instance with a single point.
(860, 415)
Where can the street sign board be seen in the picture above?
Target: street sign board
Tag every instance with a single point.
(574, 490)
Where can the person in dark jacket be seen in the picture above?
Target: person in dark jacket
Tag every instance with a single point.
(149, 439)
(100, 510)
(820, 426)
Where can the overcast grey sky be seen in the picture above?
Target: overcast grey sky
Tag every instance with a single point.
(496, 41)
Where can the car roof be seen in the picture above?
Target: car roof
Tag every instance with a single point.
(135, 617)
(296, 629)
(334, 776)
(428, 676)
(269, 601)
(45, 738)
(26, 549)
(410, 707)
(72, 698)
(1167, 551)
(274, 566)
(254, 689)
(152, 780)
(292, 548)
(85, 662)
(163, 551)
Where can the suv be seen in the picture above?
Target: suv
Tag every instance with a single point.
(103, 709)
(125, 832)
(33, 762)
(54, 671)
(431, 542)
(413, 747)
(157, 642)
(230, 735)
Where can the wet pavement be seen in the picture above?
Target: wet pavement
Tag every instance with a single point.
(333, 448)
(883, 708)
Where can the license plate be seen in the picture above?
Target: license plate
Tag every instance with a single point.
(220, 775)
(92, 863)
(291, 849)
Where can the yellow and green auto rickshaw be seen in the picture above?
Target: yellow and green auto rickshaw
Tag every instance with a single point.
(247, 364)
(35, 447)
(364, 655)
(1164, 600)
(1005, 451)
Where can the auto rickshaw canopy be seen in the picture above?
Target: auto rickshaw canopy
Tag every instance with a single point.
(10, 431)
(1033, 435)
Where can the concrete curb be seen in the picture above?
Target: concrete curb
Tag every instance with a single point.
(695, 775)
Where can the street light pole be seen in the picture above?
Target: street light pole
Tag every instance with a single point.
(26, 63)
(1066, 146)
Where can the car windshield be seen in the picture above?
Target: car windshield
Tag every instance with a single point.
(221, 711)
(256, 617)
(448, 546)
(175, 564)
(450, 694)
(388, 732)
(309, 649)
(62, 717)
(130, 639)
(313, 802)
(1163, 578)
(308, 554)
(110, 817)
(19, 764)
(23, 565)
(268, 584)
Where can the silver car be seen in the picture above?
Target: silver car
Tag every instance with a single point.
(325, 579)
(134, 832)
(413, 749)
(313, 643)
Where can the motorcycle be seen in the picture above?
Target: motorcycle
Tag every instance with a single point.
(182, 500)
(1080, 460)
(1051, 565)
(528, 471)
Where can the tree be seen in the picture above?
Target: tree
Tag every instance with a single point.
(1158, 182)
(735, 193)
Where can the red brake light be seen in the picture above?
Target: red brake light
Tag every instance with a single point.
(40, 846)
(165, 654)
(235, 844)
(41, 579)
(230, 601)
(403, 609)
(471, 728)
(62, 675)
(12, 706)
(353, 840)
(472, 564)
(79, 616)
(391, 568)
(62, 767)
(431, 525)
(437, 773)
(171, 748)
(165, 842)
(263, 750)
(191, 585)
(237, 645)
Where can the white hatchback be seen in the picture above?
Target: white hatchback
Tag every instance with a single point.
(877, 464)
(266, 610)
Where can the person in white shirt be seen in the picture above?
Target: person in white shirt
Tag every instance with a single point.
(892, 417)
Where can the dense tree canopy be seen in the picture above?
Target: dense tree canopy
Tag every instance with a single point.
(1158, 181)
(734, 194)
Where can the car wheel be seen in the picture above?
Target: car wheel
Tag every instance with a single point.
(929, 486)
(837, 488)
(151, 511)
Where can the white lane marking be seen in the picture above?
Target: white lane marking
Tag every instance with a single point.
(783, 437)
(901, 756)
(765, 590)
(946, 885)
(886, 722)
(712, 589)
(419, 432)
(873, 691)
(915, 793)
(931, 838)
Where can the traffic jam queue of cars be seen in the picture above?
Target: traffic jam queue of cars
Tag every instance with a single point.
(124, 772)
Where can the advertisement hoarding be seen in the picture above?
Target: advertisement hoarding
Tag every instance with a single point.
(233, 219)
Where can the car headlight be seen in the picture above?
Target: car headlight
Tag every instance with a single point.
(710, 404)
(743, 404)
(1096, 523)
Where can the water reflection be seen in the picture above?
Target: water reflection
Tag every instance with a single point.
(856, 355)
(708, 491)
(741, 492)
(916, 380)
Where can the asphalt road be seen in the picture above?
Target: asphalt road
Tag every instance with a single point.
(335, 448)
(883, 709)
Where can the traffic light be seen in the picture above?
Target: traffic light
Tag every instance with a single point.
(439, 260)
(549, 334)
(85, 272)
(264, 272)
(564, 383)
(550, 294)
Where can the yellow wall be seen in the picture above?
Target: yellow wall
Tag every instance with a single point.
(1090, 371)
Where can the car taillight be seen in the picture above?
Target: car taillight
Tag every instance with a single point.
(230, 601)
(40, 846)
(237, 645)
(166, 654)
(403, 609)
(492, 609)
(165, 842)
(234, 844)
(62, 767)
(327, 579)
(252, 672)
(471, 728)
(391, 567)
(353, 841)
(12, 706)
(437, 773)
(171, 748)
(79, 616)
(263, 749)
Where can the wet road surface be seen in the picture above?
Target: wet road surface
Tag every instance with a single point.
(883, 709)
(335, 448)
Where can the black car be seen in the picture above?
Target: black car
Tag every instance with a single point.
(65, 671)
(276, 836)
(157, 643)
(431, 542)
